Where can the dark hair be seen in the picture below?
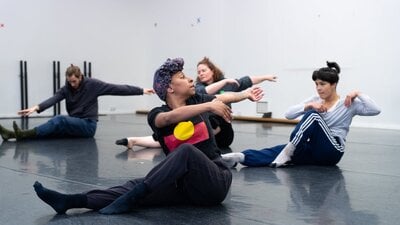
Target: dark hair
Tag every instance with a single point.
(218, 74)
(73, 71)
(329, 74)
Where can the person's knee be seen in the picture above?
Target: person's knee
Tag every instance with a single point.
(58, 120)
(311, 113)
(186, 150)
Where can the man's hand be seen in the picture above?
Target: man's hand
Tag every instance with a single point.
(29, 111)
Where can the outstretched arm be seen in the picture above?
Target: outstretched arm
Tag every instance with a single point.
(148, 91)
(29, 111)
(217, 106)
(214, 87)
(185, 112)
(262, 78)
(57, 97)
(253, 94)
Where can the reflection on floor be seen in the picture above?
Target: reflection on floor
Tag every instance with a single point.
(362, 189)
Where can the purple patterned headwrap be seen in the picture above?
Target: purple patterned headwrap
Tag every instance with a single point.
(162, 77)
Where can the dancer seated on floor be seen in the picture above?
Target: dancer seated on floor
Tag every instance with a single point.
(80, 94)
(210, 80)
(319, 138)
(193, 171)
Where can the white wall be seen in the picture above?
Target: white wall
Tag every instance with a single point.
(127, 40)
(107, 33)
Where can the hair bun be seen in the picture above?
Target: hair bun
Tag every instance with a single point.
(333, 65)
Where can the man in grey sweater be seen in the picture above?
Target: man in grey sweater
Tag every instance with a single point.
(80, 94)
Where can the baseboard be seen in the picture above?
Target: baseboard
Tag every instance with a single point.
(265, 120)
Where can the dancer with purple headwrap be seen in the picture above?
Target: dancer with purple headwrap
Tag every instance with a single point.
(210, 80)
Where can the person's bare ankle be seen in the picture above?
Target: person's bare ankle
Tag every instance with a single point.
(131, 142)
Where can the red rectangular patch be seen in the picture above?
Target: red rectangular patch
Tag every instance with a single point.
(200, 134)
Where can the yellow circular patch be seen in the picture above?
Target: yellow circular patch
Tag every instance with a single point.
(184, 130)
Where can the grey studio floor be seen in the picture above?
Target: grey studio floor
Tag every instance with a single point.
(364, 188)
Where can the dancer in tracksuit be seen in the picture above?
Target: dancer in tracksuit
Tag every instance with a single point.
(193, 171)
(319, 138)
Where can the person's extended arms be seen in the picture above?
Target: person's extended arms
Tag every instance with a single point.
(217, 106)
(57, 97)
(261, 78)
(253, 94)
(185, 112)
(214, 87)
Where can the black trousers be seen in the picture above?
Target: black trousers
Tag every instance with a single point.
(186, 176)
(225, 137)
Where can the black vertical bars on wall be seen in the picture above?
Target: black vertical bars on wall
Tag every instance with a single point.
(87, 69)
(90, 70)
(23, 68)
(24, 84)
(56, 85)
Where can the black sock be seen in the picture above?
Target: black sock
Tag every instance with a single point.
(127, 201)
(60, 202)
(123, 141)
